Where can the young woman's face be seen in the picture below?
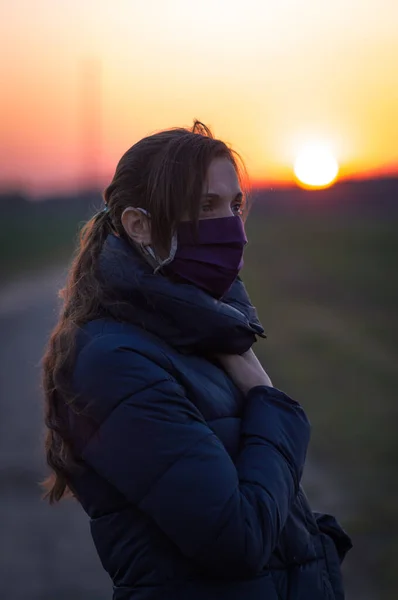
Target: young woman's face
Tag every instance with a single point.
(222, 195)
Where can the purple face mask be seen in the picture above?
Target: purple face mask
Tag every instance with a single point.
(212, 259)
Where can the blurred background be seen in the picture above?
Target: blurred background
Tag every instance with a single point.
(307, 92)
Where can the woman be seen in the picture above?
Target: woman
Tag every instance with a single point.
(161, 420)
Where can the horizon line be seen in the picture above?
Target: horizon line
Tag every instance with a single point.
(255, 185)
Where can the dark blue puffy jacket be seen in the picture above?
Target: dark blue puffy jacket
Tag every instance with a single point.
(193, 491)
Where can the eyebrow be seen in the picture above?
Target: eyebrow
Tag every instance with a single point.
(212, 196)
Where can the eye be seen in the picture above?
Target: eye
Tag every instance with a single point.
(208, 207)
(237, 208)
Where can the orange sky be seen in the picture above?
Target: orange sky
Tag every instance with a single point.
(82, 80)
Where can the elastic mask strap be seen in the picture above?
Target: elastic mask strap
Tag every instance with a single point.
(173, 250)
(150, 251)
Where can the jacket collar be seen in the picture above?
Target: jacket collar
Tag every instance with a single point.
(181, 314)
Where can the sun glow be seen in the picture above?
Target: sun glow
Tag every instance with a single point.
(315, 166)
(76, 124)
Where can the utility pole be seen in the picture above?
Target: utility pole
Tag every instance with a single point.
(90, 123)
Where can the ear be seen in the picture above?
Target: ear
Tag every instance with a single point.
(137, 226)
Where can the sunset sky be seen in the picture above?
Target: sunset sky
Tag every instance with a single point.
(82, 80)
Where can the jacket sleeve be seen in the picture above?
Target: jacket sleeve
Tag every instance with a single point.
(329, 525)
(155, 447)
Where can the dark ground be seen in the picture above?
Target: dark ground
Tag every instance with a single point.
(45, 552)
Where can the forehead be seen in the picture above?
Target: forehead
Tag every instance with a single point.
(222, 178)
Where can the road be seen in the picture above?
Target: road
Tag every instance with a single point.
(46, 553)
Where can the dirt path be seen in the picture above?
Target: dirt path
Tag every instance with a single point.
(46, 552)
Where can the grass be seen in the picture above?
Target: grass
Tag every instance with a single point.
(37, 234)
(327, 293)
(30, 245)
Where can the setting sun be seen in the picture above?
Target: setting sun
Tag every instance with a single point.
(312, 73)
(316, 166)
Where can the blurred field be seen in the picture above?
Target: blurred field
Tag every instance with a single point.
(36, 234)
(327, 292)
(326, 289)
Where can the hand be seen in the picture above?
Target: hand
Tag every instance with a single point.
(245, 370)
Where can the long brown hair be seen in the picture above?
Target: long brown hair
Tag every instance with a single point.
(164, 174)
